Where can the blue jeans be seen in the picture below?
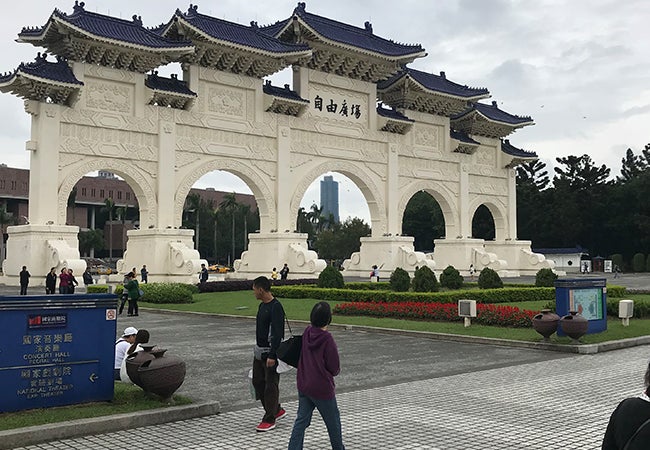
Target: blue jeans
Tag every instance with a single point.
(328, 410)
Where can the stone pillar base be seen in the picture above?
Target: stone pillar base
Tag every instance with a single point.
(387, 253)
(168, 253)
(460, 253)
(41, 247)
(521, 259)
(269, 250)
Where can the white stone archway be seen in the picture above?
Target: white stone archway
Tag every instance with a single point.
(442, 194)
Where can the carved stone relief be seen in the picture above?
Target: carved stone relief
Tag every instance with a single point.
(88, 140)
(226, 102)
(109, 96)
(488, 186)
(211, 141)
(428, 169)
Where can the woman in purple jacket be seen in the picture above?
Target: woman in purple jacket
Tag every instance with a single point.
(319, 364)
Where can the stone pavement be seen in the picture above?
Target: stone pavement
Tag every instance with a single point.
(561, 403)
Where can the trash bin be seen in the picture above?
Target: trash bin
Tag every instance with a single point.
(56, 350)
(587, 296)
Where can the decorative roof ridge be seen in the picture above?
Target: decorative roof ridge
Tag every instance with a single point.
(392, 113)
(301, 11)
(462, 137)
(286, 92)
(443, 76)
(511, 150)
(168, 84)
(492, 110)
(39, 62)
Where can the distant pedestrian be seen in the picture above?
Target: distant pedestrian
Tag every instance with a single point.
(203, 275)
(472, 271)
(617, 270)
(629, 424)
(87, 277)
(64, 280)
(318, 365)
(72, 282)
(134, 294)
(274, 274)
(284, 272)
(144, 273)
(24, 280)
(374, 274)
(125, 293)
(50, 281)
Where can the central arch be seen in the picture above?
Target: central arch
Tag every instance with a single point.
(358, 174)
(442, 194)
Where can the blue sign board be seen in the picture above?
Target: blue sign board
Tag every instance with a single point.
(587, 296)
(56, 350)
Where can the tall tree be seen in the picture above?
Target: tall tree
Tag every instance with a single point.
(109, 207)
(89, 240)
(632, 166)
(533, 173)
(230, 205)
(193, 206)
(423, 219)
(580, 173)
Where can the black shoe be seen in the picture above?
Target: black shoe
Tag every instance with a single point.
(135, 315)
(129, 315)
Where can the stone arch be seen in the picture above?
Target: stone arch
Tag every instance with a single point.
(261, 192)
(358, 174)
(442, 194)
(144, 192)
(499, 213)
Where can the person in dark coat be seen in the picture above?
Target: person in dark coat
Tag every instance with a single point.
(87, 277)
(24, 280)
(629, 424)
(50, 282)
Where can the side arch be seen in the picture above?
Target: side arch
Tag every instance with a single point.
(442, 194)
(136, 179)
(261, 191)
(359, 175)
(499, 213)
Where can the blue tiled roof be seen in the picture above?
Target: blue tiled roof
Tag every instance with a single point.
(107, 27)
(284, 92)
(235, 33)
(58, 71)
(511, 150)
(345, 34)
(392, 114)
(492, 112)
(462, 137)
(561, 251)
(173, 84)
(438, 83)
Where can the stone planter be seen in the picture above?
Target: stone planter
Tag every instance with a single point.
(162, 375)
(574, 325)
(546, 323)
(135, 360)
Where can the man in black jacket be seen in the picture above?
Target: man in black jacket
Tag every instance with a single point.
(24, 280)
(269, 332)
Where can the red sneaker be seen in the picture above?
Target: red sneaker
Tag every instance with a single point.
(265, 426)
(282, 413)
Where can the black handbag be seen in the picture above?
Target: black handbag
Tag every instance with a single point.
(289, 349)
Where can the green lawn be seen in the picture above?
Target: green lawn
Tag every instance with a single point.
(128, 398)
(243, 303)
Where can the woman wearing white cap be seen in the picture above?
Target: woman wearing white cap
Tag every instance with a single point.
(121, 346)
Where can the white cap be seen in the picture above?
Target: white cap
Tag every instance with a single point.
(130, 331)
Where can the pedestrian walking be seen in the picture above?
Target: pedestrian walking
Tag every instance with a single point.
(24, 280)
(269, 332)
(133, 291)
(284, 272)
(203, 275)
(144, 273)
(87, 278)
(318, 365)
(50, 281)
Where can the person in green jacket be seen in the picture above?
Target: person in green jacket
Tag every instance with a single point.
(134, 294)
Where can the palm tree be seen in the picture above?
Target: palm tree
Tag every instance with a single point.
(230, 205)
(109, 206)
(245, 211)
(215, 214)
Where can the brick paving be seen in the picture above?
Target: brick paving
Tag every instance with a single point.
(553, 404)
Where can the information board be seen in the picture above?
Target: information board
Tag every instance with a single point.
(56, 350)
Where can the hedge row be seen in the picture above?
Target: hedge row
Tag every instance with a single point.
(641, 308)
(481, 296)
(246, 285)
(165, 292)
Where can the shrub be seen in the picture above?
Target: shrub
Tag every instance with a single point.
(617, 260)
(247, 285)
(425, 280)
(489, 279)
(545, 277)
(647, 264)
(451, 278)
(97, 289)
(400, 280)
(638, 262)
(164, 292)
(330, 277)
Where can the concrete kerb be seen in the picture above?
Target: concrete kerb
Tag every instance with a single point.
(39, 434)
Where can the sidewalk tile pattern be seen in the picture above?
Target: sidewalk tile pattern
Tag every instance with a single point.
(557, 404)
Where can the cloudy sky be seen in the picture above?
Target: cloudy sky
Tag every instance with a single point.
(580, 68)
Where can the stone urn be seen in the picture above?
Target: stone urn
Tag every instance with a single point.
(135, 360)
(162, 375)
(574, 325)
(546, 323)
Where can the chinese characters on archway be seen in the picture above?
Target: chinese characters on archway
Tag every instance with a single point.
(341, 108)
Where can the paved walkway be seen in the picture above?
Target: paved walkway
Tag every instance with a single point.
(558, 404)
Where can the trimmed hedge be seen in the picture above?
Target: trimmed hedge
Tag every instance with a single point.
(482, 296)
(330, 277)
(641, 308)
(97, 289)
(246, 285)
(164, 292)
(365, 286)
(400, 280)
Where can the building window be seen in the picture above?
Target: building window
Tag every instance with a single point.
(25, 185)
(119, 195)
(2, 184)
(83, 191)
(128, 196)
(13, 185)
(110, 194)
(92, 192)
(101, 193)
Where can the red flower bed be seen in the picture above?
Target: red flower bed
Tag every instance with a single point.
(487, 314)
